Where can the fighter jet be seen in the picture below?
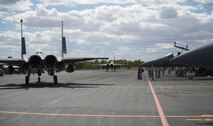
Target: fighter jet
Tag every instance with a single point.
(39, 64)
(113, 66)
(161, 62)
(200, 57)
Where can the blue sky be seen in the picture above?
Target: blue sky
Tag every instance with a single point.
(129, 29)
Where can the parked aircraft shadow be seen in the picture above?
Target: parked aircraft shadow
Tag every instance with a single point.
(51, 85)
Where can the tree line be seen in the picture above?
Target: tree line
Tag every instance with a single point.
(96, 64)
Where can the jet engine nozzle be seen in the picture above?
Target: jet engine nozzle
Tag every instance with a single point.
(70, 68)
(50, 61)
(35, 61)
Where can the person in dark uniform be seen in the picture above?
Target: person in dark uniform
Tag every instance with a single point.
(139, 73)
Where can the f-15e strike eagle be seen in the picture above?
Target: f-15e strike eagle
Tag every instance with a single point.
(112, 65)
(38, 64)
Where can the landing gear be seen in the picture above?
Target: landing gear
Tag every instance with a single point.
(190, 77)
(39, 79)
(27, 79)
(55, 79)
(39, 74)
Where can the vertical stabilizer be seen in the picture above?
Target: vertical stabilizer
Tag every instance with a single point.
(63, 44)
(23, 46)
(64, 47)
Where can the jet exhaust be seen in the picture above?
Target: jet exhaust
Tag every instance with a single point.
(35, 61)
(50, 61)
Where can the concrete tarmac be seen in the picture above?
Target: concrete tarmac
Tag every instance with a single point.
(99, 98)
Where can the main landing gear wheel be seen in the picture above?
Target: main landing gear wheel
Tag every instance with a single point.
(55, 79)
(27, 79)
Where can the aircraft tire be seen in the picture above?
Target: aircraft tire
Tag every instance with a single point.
(55, 79)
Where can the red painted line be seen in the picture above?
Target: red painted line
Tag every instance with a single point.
(157, 102)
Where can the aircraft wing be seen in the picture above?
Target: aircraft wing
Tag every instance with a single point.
(12, 61)
(75, 60)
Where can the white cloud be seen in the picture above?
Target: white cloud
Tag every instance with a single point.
(41, 17)
(167, 12)
(124, 49)
(72, 3)
(58, 2)
(103, 1)
(42, 11)
(14, 5)
(158, 2)
(151, 50)
(125, 30)
(164, 45)
(205, 1)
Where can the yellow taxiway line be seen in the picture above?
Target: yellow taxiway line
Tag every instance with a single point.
(77, 115)
(101, 115)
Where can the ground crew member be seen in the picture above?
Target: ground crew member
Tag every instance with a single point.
(139, 73)
(152, 72)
